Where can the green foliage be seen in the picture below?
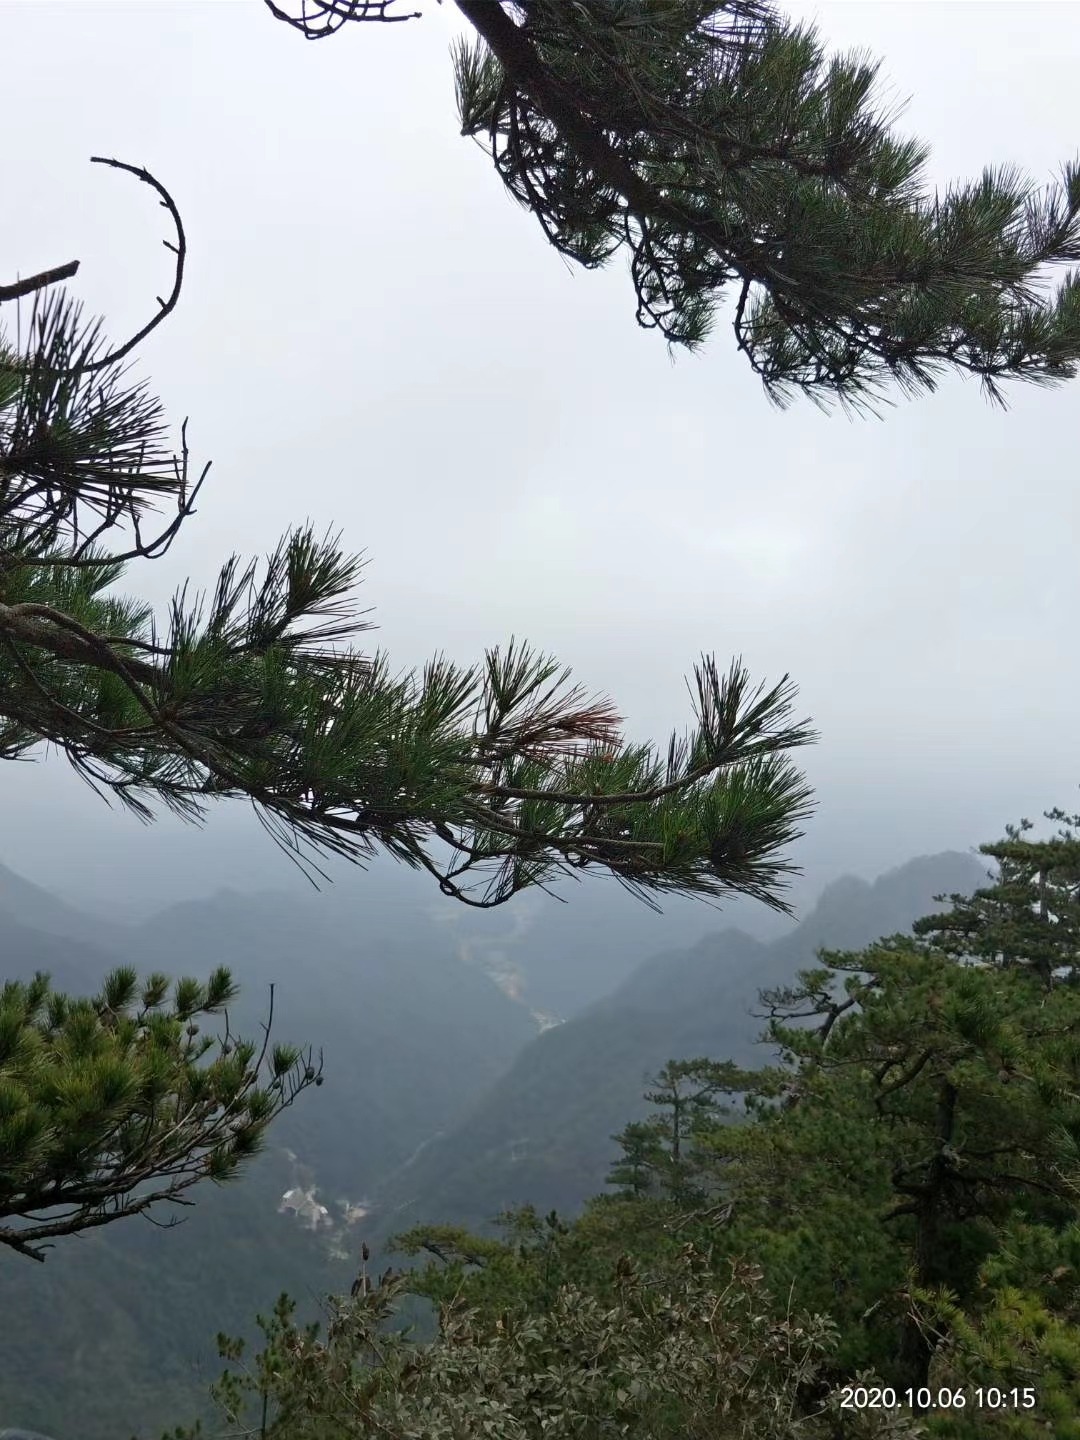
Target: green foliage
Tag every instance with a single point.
(114, 1104)
(658, 1154)
(720, 147)
(930, 1116)
(683, 1358)
(523, 1271)
(1030, 916)
(1022, 1334)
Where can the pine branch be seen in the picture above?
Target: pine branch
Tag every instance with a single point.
(21, 288)
(717, 145)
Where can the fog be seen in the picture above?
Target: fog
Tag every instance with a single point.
(373, 336)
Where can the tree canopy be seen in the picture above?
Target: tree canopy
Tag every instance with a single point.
(111, 1105)
(727, 156)
(673, 1355)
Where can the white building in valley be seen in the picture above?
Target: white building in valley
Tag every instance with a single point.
(303, 1205)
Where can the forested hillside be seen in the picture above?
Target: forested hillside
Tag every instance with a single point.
(543, 1135)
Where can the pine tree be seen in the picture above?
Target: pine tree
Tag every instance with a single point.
(1030, 915)
(724, 153)
(110, 1106)
(1021, 1340)
(644, 1158)
(911, 1163)
(658, 1153)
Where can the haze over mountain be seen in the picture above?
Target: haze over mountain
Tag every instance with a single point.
(442, 1101)
(543, 1134)
(539, 946)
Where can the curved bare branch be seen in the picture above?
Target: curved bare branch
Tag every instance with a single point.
(318, 19)
(179, 249)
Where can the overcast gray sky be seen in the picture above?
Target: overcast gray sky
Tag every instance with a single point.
(373, 336)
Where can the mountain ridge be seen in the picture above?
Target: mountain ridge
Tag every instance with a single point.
(543, 1136)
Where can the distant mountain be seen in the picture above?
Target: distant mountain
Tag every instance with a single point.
(73, 965)
(546, 953)
(29, 905)
(541, 950)
(543, 1135)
